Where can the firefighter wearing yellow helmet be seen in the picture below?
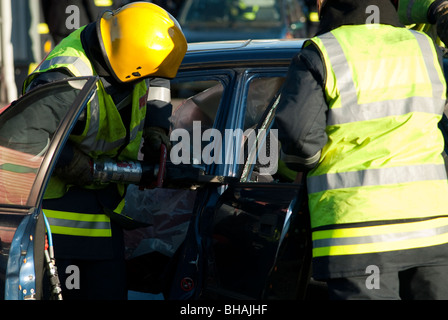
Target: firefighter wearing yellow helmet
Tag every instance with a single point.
(134, 51)
(151, 46)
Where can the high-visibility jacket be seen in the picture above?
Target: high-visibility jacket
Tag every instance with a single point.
(381, 183)
(105, 134)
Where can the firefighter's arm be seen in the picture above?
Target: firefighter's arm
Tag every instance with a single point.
(411, 12)
(157, 124)
(425, 12)
(74, 166)
(438, 15)
(301, 112)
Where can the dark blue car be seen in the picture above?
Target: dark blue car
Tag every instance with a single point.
(250, 239)
(243, 237)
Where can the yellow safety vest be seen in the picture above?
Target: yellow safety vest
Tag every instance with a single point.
(381, 183)
(105, 134)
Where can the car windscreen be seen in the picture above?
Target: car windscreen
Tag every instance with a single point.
(27, 129)
(231, 13)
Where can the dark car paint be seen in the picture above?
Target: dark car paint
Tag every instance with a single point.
(245, 53)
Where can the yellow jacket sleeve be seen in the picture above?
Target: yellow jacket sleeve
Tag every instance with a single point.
(416, 11)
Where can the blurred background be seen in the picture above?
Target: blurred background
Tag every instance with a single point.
(29, 29)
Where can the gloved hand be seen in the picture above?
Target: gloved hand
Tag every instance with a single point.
(153, 138)
(78, 171)
(438, 13)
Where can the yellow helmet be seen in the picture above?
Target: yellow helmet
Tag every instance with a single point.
(141, 40)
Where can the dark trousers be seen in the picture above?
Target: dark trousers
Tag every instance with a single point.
(420, 283)
(99, 260)
(92, 279)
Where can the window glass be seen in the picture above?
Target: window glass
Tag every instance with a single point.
(195, 101)
(26, 130)
(259, 94)
(260, 146)
(227, 13)
(195, 105)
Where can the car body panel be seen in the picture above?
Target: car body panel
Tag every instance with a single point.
(246, 53)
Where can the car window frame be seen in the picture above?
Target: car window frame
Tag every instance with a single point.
(226, 77)
(22, 279)
(60, 138)
(220, 75)
(247, 76)
(61, 134)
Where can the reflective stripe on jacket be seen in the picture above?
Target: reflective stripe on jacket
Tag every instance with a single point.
(382, 165)
(79, 224)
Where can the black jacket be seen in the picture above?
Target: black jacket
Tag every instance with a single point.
(301, 113)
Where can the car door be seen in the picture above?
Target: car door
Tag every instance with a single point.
(247, 240)
(28, 152)
(197, 97)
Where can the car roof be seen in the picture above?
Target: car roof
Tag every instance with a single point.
(253, 52)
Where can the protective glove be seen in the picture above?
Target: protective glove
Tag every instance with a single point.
(78, 171)
(438, 14)
(153, 138)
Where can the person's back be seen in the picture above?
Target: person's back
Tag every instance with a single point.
(376, 193)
